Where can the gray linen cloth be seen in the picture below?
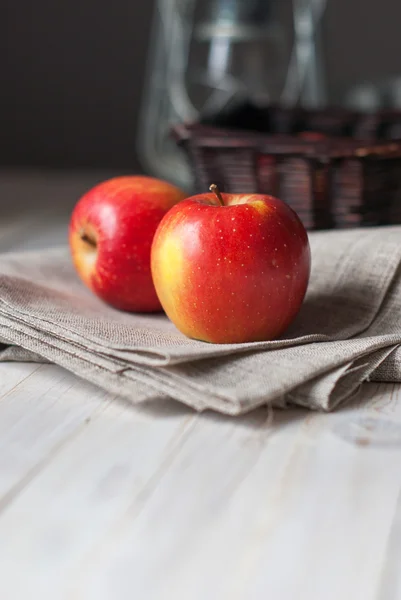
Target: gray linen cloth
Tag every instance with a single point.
(347, 331)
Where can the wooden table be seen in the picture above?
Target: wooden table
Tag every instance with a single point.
(102, 501)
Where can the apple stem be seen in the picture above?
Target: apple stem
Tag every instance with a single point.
(213, 188)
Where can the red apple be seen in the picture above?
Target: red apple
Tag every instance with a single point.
(231, 268)
(111, 232)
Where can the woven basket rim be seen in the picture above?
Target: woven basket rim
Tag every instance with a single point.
(200, 135)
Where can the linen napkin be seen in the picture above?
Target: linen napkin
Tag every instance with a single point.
(347, 331)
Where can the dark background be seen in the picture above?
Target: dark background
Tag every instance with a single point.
(71, 81)
(72, 73)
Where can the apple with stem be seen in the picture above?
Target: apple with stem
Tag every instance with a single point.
(231, 268)
(111, 232)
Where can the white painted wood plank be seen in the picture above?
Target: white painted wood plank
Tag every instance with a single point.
(51, 235)
(43, 229)
(228, 511)
(389, 587)
(13, 374)
(12, 229)
(109, 467)
(294, 511)
(37, 416)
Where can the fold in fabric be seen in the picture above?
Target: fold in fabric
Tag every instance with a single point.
(347, 331)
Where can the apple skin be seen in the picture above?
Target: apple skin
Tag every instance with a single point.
(233, 273)
(110, 235)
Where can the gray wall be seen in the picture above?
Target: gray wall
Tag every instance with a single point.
(363, 42)
(70, 80)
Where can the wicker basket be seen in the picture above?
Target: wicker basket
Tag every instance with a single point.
(335, 168)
